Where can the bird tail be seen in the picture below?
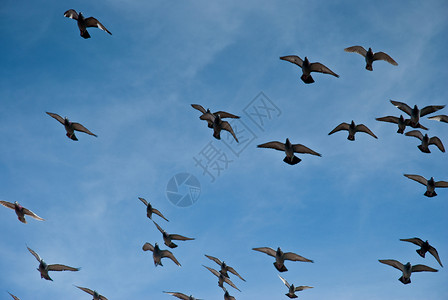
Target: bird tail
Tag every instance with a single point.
(369, 67)
(291, 296)
(281, 268)
(421, 253)
(307, 79)
(295, 160)
(430, 194)
(172, 245)
(85, 34)
(423, 149)
(351, 137)
(405, 281)
(72, 136)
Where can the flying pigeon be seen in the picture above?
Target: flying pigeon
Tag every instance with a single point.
(21, 211)
(352, 129)
(280, 257)
(308, 67)
(370, 56)
(289, 150)
(83, 23)
(70, 127)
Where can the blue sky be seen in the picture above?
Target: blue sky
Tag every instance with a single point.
(345, 210)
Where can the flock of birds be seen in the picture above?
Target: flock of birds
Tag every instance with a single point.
(215, 121)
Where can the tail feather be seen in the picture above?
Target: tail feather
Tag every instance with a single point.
(295, 160)
(423, 149)
(430, 194)
(351, 137)
(421, 252)
(405, 281)
(369, 67)
(85, 34)
(307, 79)
(281, 268)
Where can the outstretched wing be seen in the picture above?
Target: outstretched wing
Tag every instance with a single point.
(295, 257)
(436, 141)
(417, 178)
(31, 214)
(415, 133)
(229, 282)
(342, 126)
(34, 254)
(88, 291)
(58, 267)
(178, 295)
(166, 253)
(363, 128)
(390, 119)
(302, 287)
(267, 250)
(293, 59)
(430, 109)
(158, 227)
(179, 237)
(434, 253)
(224, 114)
(57, 117)
(299, 148)
(356, 49)
(15, 297)
(422, 268)
(226, 126)
(385, 57)
(72, 14)
(232, 270)
(440, 118)
(318, 67)
(441, 184)
(415, 240)
(7, 204)
(155, 211)
(273, 145)
(402, 106)
(199, 107)
(79, 127)
(393, 263)
(143, 200)
(216, 273)
(92, 22)
(148, 246)
(284, 281)
(216, 260)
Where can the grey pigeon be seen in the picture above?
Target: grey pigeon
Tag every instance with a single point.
(289, 150)
(150, 210)
(83, 23)
(308, 67)
(424, 247)
(158, 254)
(44, 268)
(281, 256)
(224, 267)
(292, 289)
(407, 269)
(430, 184)
(400, 121)
(370, 56)
(168, 238)
(206, 114)
(21, 211)
(221, 279)
(70, 127)
(95, 294)
(352, 128)
(426, 141)
(218, 124)
(415, 112)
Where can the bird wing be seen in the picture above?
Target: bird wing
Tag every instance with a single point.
(79, 127)
(58, 267)
(434, 253)
(103, 298)
(390, 119)
(318, 67)
(7, 204)
(15, 297)
(216, 273)
(267, 250)
(430, 109)
(179, 237)
(31, 214)
(402, 106)
(436, 141)
(273, 145)
(385, 57)
(224, 114)
(72, 14)
(302, 287)
(209, 117)
(229, 282)
(415, 133)
(441, 184)
(441, 118)
(342, 126)
(148, 246)
(178, 295)
(199, 107)
(392, 262)
(422, 268)
(35, 254)
(57, 117)
(88, 291)
(92, 22)
(293, 59)
(166, 253)
(284, 281)
(363, 128)
(356, 49)
(295, 257)
(158, 227)
(232, 270)
(415, 241)
(417, 178)
(143, 200)
(226, 126)
(216, 260)
(302, 149)
(159, 214)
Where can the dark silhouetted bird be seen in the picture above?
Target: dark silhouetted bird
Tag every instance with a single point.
(426, 141)
(83, 23)
(168, 238)
(150, 210)
(415, 112)
(352, 129)
(70, 127)
(430, 184)
(401, 122)
(218, 124)
(370, 56)
(289, 150)
(224, 268)
(424, 247)
(292, 289)
(280, 257)
(205, 114)
(308, 67)
(21, 211)
(221, 279)
(95, 294)
(158, 254)
(407, 269)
